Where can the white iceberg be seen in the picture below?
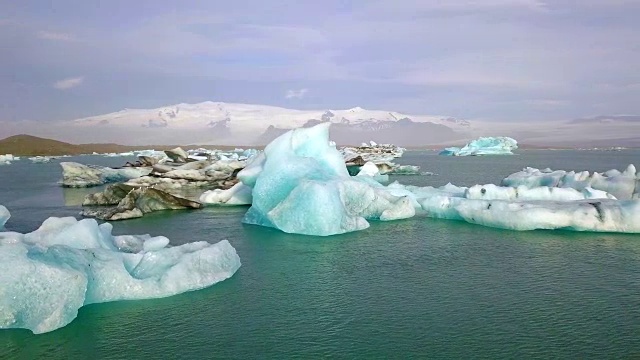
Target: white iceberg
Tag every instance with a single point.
(371, 170)
(7, 159)
(47, 275)
(239, 194)
(484, 146)
(583, 215)
(300, 184)
(623, 185)
(41, 159)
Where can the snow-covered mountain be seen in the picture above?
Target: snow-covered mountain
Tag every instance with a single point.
(245, 124)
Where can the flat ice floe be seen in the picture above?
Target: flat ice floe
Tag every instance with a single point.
(48, 274)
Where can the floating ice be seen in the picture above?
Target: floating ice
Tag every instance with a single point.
(4, 216)
(78, 175)
(301, 185)
(371, 170)
(406, 170)
(484, 146)
(374, 152)
(7, 159)
(239, 194)
(47, 275)
(41, 159)
(623, 185)
(583, 215)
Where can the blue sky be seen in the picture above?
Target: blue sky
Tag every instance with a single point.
(506, 60)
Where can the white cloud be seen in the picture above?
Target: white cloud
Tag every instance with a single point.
(68, 83)
(55, 36)
(296, 94)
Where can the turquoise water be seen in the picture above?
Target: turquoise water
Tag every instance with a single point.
(413, 288)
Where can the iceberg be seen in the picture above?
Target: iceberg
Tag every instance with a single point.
(41, 159)
(583, 215)
(7, 159)
(238, 194)
(48, 274)
(484, 146)
(300, 184)
(133, 202)
(371, 170)
(78, 175)
(372, 152)
(4, 216)
(623, 185)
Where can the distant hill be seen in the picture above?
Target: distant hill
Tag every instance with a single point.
(27, 145)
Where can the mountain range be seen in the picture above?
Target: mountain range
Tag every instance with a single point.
(219, 123)
(244, 124)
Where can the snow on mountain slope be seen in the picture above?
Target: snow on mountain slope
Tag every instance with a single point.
(221, 123)
(251, 118)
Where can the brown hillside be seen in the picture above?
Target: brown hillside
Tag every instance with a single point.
(27, 145)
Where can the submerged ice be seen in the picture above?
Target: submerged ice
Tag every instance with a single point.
(48, 274)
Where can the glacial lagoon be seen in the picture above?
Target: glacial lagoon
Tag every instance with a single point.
(410, 288)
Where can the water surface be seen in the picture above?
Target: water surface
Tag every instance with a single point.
(412, 288)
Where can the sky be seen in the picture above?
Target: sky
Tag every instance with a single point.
(499, 60)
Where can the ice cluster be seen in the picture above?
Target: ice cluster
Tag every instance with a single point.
(623, 185)
(484, 146)
(7, 159)
(48, 274)
(300, 185)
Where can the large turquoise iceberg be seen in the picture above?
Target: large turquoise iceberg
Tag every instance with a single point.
(48, 274)
(300, 184)
(484, 146)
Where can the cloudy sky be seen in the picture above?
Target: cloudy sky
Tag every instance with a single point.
(506, 60)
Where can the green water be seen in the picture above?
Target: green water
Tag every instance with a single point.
(418, 288)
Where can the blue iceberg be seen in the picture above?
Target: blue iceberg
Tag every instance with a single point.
(484, 146)
(300, 184)
(4, 216)
(48, 274)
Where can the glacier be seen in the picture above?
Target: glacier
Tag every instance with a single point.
(48, 274)
(484, 146)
